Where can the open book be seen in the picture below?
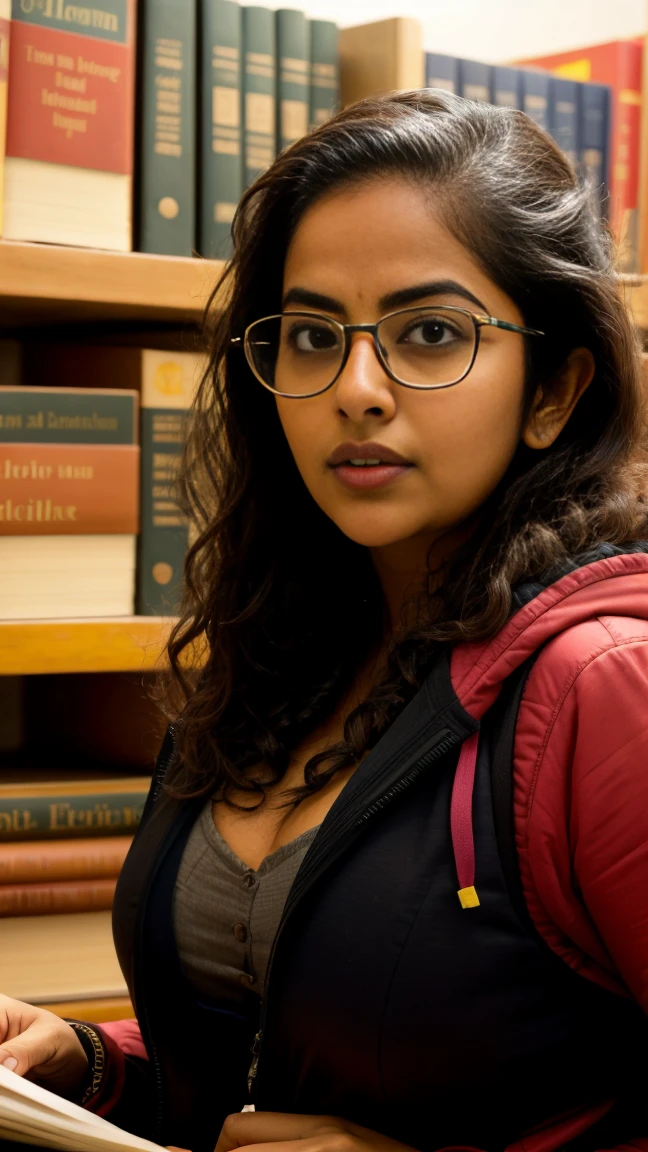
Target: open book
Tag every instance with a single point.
(32, 1115)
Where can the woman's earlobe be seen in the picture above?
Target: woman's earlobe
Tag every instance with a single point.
(553, 405)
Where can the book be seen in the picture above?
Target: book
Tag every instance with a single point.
(68, 489)
(66, 956)
(475, 81)
(594, 134)
(324, 71)
(69, 151)
(65, 577)
(535, 96)
(293, 76)
(168, 387)
(99, 1010)
(167, 128)
(506, 87)
(381, 57)
(59, 896)
(52, 861)
(441, 71)
(72, 808)
(50, 415)
(5, 18)
(259, 95)
(220, 181)
(34, 1115)
(619, 64)
(563, 116)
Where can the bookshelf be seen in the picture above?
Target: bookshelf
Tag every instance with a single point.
(45, 284)
(37, 647)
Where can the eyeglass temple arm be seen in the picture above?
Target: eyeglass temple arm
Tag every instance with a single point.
(508, 327)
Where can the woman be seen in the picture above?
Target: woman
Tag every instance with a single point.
(415, 471)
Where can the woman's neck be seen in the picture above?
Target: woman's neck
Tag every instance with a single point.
(410, 567)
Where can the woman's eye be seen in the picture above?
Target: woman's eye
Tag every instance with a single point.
(313, 339)
(430, 333)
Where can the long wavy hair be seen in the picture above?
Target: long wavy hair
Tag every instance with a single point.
(285, 607)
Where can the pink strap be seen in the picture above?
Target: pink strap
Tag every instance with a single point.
(461, 824)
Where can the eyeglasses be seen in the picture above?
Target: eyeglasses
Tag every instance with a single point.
(301, 354)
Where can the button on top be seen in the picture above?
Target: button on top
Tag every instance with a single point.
(249, 879)
(241, 933)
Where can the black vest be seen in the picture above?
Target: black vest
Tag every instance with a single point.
(387, 1003)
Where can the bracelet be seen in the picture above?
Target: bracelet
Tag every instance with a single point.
(92, 1046)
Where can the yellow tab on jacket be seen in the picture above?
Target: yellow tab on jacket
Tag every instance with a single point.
(468, 897)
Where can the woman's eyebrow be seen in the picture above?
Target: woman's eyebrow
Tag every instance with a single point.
(405, 296)
(312, 300)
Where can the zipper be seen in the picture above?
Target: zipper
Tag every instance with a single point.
(445, 740)
(162, 768)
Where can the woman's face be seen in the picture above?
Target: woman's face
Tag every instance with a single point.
(357, 255)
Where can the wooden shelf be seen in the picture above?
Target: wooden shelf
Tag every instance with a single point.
(43, 284)
(121, 644)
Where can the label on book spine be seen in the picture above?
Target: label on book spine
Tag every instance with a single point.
(68, 489)
(71, 84)
(36, 817)
(67, 416)
(221, 181)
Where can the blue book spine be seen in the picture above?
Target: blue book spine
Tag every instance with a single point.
(506, 87)
(475, 81)
(535, 96)
(563, 116)
(441, 72)
(594, 118)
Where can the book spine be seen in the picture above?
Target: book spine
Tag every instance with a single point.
(69, 489)
(220, 167)
(38, 817)
(293, 80)
(475, 81)
(65, 896)
(442, 72)
(325, 71)
(5, 25)
(506, 87)
(52, 861)
(563, 116)
(167, 128)
(168, 388)
(594, 115)
(71, 84)
(259, 97)
(535, 96)
(624, 161)
(52, 416)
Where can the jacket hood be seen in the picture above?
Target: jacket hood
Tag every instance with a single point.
(609, 581)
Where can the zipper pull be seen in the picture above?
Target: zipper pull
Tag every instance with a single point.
(256, 1051)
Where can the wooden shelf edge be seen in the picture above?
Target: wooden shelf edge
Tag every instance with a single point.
(127, 283)
(118, 644)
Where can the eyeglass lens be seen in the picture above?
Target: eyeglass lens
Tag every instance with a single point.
(298, 354)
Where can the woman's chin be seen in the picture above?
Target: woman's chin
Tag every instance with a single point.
(376, 533)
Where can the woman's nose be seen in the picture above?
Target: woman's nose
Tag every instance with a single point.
(363, 387)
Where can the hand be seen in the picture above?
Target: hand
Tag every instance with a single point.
(289, 1133)
(42, 1047)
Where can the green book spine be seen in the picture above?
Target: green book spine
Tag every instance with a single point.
(44, 817)
(325, 71)
(293, 80)
(67, 416)
(221, 172)
(169, 383)
(259, 96)
(167, 175)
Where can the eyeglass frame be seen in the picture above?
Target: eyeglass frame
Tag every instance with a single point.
(479, 319)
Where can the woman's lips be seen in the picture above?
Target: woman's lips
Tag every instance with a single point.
(369, 476)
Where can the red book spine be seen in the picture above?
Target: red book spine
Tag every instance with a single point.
(50, 861)
(64, 896)
(68, 489)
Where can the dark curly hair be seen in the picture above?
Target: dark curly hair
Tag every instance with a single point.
(285, 606)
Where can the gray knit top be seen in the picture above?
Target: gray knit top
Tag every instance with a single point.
(226, 915)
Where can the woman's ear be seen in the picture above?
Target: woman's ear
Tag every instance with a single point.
(554, 404)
